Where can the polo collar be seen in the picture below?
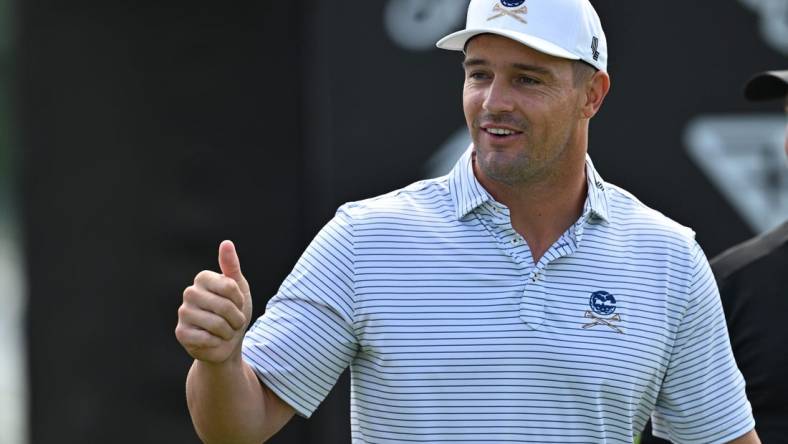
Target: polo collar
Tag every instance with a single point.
(468, 194)
(596, 201)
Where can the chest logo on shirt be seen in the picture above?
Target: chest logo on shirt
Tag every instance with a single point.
(509, 8)
(603, 305)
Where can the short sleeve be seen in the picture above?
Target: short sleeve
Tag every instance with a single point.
(702, 398)
(305, 338)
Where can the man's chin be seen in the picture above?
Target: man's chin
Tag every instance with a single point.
(503, 169)
(501, 159)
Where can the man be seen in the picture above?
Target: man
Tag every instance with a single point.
(753, 283)
(520, 298)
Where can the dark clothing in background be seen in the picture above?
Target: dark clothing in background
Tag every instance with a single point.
(753, 281)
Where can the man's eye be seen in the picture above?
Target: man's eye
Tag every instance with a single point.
(526, 80)
(478, 75)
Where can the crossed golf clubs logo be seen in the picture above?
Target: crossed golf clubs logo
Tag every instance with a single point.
(602, 304)
(510, 9)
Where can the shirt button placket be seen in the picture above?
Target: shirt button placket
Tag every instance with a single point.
(532, 304)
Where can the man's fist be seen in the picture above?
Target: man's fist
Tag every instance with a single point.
(216, 311)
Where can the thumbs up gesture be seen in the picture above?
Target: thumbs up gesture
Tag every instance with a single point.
(216, 311)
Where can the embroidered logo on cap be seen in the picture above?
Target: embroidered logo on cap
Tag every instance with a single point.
(509, 8)
(595, 47)
(603, 305)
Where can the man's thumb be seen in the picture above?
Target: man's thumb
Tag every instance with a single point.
(229, 262)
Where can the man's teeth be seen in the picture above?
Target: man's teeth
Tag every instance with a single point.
(500, 131)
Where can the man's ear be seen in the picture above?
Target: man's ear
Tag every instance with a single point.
(596, 89)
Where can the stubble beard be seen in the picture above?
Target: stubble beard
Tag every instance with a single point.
(505, 168)
(523, 166)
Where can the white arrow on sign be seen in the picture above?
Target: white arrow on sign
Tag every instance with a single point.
(744, 157)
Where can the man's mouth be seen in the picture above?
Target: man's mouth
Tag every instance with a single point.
(500, 131)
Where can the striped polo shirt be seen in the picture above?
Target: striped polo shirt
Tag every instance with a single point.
(453, 333)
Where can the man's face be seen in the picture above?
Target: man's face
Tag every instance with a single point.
(522, 108)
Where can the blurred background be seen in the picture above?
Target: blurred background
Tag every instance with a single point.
(135, 136)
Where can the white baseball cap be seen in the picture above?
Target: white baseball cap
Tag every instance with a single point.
(569, 29)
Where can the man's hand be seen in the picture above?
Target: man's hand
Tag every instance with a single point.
(226, 400)
(216, 311)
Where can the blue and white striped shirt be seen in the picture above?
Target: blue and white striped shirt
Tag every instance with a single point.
(453, 334)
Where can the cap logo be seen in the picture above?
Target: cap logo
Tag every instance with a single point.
(595, 47)
(510, 8)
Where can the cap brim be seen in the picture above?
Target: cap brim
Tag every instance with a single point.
(456, 41)
(767, 85)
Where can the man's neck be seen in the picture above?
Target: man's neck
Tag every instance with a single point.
(542, 210)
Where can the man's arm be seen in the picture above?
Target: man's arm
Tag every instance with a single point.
(701, 358)
(748, 438)
(227, 402)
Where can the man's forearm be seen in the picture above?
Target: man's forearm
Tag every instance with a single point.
(748, 438)
(227, 403)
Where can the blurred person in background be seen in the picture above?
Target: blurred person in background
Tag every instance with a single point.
(519, 298)
(753, 282)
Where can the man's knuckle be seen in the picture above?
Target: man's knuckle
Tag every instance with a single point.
(189, 293)
(180, 333)
(202, 276)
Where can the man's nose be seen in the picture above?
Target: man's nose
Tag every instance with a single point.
(498, 97)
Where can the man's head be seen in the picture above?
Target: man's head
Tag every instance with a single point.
(769, 85)
(534, 76)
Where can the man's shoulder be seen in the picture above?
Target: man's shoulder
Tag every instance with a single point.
(630, 214)
(422, 199)
(749, 252)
